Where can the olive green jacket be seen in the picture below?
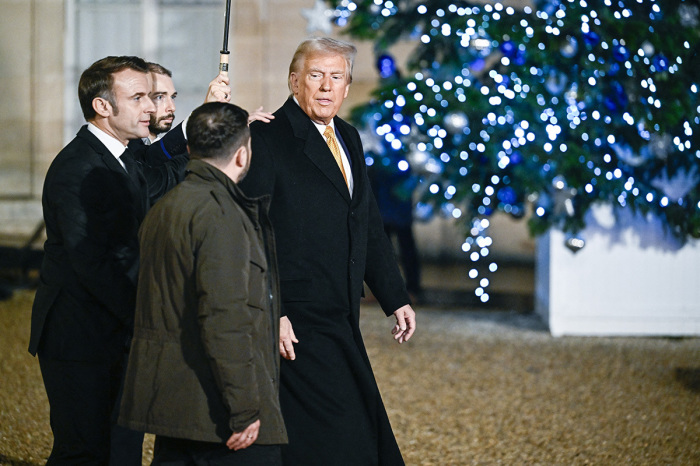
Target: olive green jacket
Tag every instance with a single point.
(204, 361)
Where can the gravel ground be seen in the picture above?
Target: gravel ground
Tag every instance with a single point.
(471, 388)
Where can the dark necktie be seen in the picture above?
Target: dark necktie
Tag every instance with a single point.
(139, 191)
(132, 168)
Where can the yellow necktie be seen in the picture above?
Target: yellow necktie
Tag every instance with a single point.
(333, 145)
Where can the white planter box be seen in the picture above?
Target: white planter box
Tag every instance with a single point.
(630, 278)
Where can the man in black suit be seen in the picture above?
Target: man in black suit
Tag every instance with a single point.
(94, 199)
(163, 155)
(163, 95)
(329, 238)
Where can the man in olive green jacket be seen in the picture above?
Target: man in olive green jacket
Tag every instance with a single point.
(203, 371)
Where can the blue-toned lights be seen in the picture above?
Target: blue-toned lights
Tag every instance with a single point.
(615, 96)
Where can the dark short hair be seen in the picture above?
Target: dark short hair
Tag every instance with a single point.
(216, 130)
(98, 80)
(159, 69)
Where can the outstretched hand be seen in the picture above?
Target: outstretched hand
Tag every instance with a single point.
(260, 115)
(405, 323)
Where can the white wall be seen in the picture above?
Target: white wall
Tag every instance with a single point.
(630, 278)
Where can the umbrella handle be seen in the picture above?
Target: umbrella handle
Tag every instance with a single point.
(223, 62)
(223, 57)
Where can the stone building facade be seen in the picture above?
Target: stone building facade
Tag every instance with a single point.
(45, 45)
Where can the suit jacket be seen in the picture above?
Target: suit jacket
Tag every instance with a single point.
(163, 162)
(84, 306)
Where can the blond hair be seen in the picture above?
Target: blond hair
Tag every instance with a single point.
(322, 46)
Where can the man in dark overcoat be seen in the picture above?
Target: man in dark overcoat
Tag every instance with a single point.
(330, 239)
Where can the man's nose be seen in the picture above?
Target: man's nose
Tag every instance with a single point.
(326, 83)
(150, 107)
(170, 106)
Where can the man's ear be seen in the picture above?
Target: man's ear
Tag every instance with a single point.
(240, 158)
(294, 79)
(101, 106)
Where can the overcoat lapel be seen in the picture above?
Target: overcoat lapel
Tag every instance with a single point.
(315, 148)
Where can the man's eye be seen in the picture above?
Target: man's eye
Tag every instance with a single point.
(158, 97)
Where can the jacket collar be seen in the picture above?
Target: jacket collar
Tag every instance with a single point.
(111, 143)
(97, 145)
(210, 173)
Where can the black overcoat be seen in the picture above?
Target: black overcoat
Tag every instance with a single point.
(328, 243)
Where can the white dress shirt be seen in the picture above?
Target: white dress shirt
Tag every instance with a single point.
(115, 147)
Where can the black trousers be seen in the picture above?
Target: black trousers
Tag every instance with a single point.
(169, 451)
(84, 404)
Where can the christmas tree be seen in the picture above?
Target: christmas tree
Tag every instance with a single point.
(543, 110)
